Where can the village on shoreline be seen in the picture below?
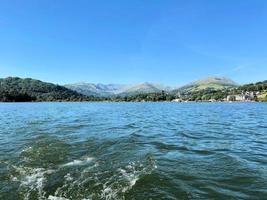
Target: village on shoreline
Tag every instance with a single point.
(243, 97)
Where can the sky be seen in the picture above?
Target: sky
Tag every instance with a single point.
(118, 41)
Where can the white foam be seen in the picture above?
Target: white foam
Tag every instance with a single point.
(32, 179)
(51, 197)
(27, 149)
(127, 177)
(68, 177)
(108, 193)
(56, 198)
(78, 162)
(131, 177)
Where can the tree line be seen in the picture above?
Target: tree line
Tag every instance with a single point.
(15, 89)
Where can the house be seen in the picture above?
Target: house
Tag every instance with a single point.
(176, 100)
(245, 96)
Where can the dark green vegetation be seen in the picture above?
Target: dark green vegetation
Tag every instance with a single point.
(159, 96)
(13, 89)
(258, 87)
(169, 96)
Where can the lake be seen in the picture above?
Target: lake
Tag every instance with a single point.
(145, 151)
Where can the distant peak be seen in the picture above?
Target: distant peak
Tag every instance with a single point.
(214, 80)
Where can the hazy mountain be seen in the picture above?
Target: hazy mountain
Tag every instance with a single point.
(97, 89)
(144, 88)
(163, 87)
(212, 82)
(18, 89)
(116, 89)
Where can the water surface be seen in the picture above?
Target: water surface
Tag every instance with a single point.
(145, 151)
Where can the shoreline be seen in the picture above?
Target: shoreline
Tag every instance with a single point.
(134, 102)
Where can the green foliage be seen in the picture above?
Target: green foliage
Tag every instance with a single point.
(204, 95)
(15, 89)
(162, 96)
(262, 96)
(256, 87)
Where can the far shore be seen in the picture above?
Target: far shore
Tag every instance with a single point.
(10, 102)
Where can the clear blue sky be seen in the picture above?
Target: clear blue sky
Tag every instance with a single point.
(120, 41)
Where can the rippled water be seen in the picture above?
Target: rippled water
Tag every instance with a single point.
(150, 151)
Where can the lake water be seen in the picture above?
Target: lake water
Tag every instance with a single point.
(146, 151)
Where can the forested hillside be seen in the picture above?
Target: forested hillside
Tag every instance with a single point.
(13, 89)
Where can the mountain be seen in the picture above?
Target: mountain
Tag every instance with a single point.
(97, 89)
(208, 83)
(105, 90)
(144, 88)
(14, 89)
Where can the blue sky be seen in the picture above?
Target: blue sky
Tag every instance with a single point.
(118, 41)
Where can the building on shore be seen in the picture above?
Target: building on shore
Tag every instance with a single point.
(177, 100)
(245, 96)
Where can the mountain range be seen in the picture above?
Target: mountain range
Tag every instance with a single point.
(102, 90)
(97, 89)
(14, 89)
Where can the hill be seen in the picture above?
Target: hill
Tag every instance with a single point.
(143, 88)
(208, 83)
(14, 89)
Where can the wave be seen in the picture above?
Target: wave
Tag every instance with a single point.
(94, 179)
(125, 179)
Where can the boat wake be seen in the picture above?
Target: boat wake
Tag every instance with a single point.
(90, 181)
